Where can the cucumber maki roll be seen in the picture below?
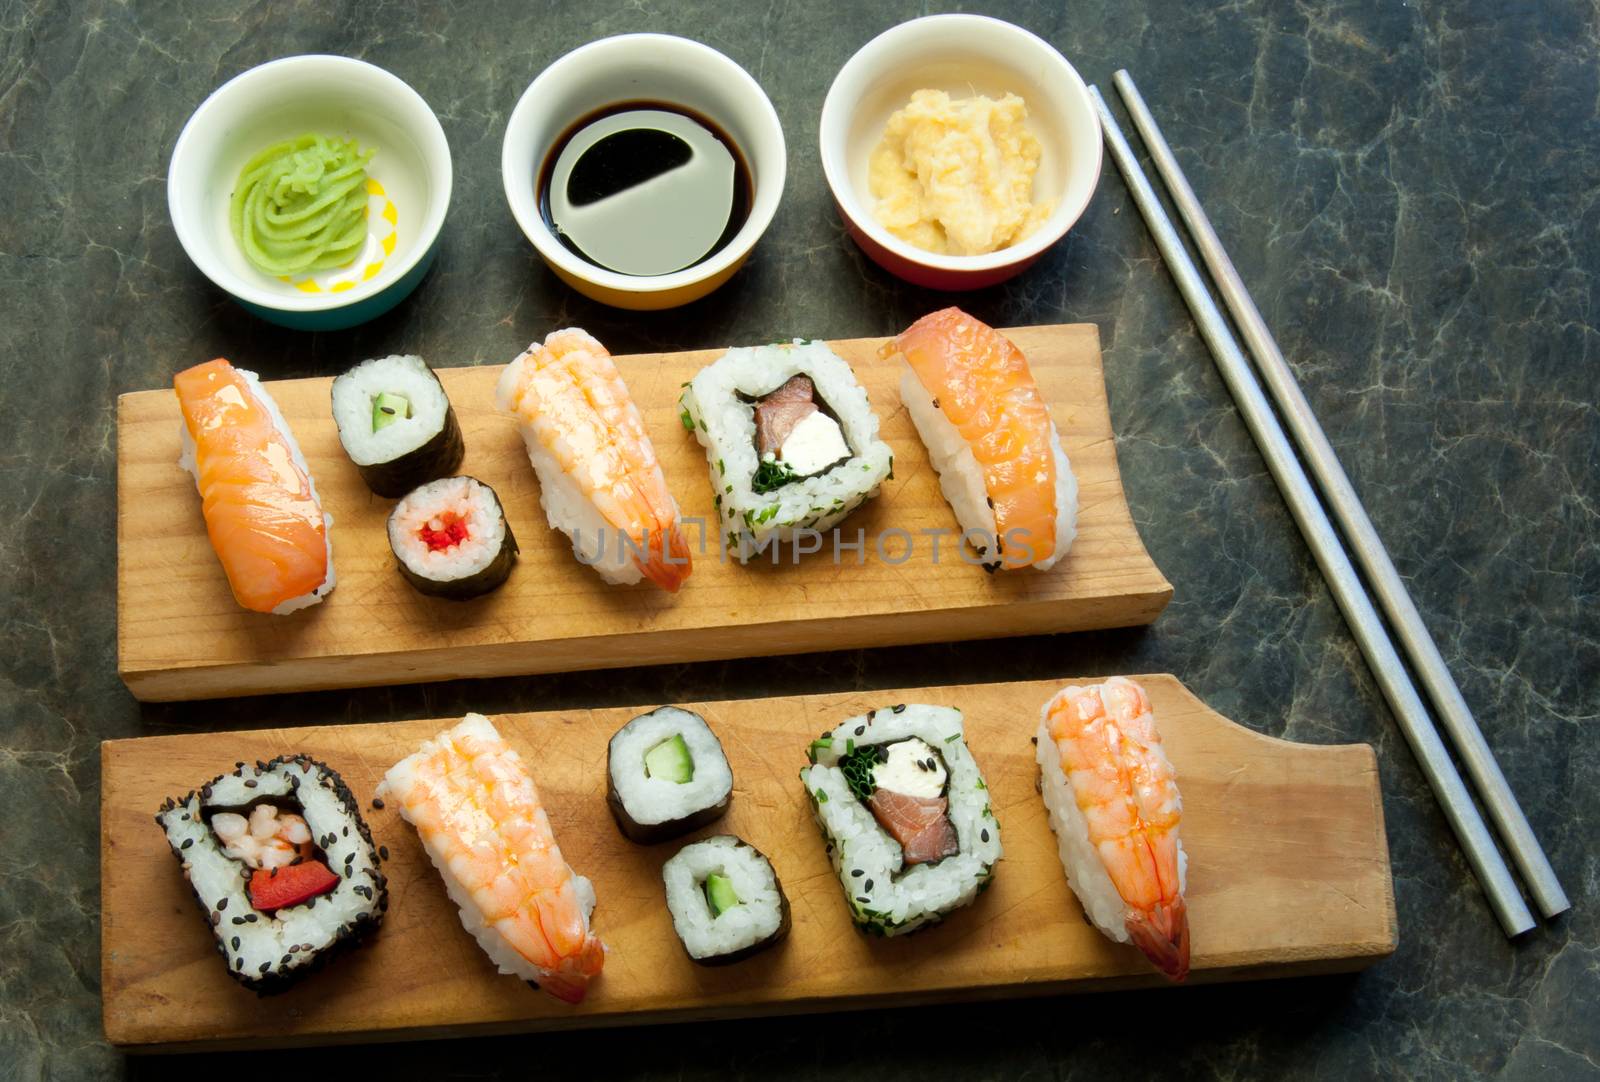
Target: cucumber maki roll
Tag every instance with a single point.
(726, 901)
(282, 866)
(666, 775)
(451, 538)
(906, 813)
(396, 424)
(791, 439)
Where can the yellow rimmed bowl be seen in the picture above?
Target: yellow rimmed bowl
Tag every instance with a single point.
(655, 68)
(408, 184)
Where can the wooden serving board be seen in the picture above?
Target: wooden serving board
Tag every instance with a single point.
(180, 635)
(1288, 874)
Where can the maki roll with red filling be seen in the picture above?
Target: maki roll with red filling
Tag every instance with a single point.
(281, 864)
(451, 538)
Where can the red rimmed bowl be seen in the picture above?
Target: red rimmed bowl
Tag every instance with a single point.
(963, 55)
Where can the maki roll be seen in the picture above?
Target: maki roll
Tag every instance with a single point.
(451, 538)
(726, 901)
(480, 819)
(282, 866)
(972, 397)
(791, 439)
(666, 775)
(396, 424)
(906, 815)
(1113, 801)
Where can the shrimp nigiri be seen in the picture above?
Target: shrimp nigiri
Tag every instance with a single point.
(1114, 807)
(479, 817)
(600, 482)
(989, 435)
(260, 505)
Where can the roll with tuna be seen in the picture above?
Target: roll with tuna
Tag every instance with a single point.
(791, 439)
(726, 901)
(906, 815)
(666, 775)
(396, 424)
(282, 866)
(451, 539)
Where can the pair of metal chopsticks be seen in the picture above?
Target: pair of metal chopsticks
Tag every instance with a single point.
(1376, 645)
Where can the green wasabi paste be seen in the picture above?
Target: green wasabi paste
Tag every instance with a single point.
(301, 206)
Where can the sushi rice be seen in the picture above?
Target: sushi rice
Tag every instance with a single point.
(267, 952)
(760, 919)
(883, 895)
(188, 460)
(717, 406)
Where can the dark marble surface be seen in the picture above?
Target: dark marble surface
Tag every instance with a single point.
(1409, 190)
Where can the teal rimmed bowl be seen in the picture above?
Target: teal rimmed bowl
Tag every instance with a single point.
(409, 183)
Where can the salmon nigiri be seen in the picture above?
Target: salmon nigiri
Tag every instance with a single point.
(600, 482)
(1114, 806)
(478, 815)
(260, 505)
(989, 434)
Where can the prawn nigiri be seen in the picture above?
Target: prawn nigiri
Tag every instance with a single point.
(600, 482)
(1114, 806)
(260, 504)
(478, 815)
(989, 435)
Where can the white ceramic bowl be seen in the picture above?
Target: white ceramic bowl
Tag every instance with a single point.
(329, 95)
(643, 67)
(963, 55)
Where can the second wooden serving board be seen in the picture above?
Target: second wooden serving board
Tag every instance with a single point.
(180, 635)
(1288, 874)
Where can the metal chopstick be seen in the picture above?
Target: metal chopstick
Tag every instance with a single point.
(1459, 810)
(1368, 549)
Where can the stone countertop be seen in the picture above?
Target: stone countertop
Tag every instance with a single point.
(1410, 194)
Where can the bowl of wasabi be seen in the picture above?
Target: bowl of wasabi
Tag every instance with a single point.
(312, 190)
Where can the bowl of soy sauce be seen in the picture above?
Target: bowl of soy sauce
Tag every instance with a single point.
(644, 168)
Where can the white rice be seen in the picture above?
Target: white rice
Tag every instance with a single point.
(469, 499)
(1086, 872)
(651, 801)
(758, 916)
(724, 423)
(961, 478)
(220, 882)
(882, 895)
(353, 396)
(187, 459)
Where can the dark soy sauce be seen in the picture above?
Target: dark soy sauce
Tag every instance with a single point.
(644, 188)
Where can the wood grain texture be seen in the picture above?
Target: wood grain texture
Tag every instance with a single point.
(180, 635)
(1288, 874)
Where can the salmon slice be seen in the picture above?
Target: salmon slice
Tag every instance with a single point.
(980, 381)
(920, 824)
(260, 507)
(779, 412)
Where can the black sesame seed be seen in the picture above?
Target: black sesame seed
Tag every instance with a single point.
(377, 803)
(216, 918)
(1033, 740)
(273, 874)
(222, 904)
(249, 783)
(238, 964)
(935, 403)
(346, 832)
(984, 834)
(899, 708)
(862, 898)
(855, 873)
(383, 852)
(184, 817)
(238, 920)
(250, 918)
(990, 499)
(239, 764)
(860, 729)
(187, 842)
(868, 886)
(235, 942)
